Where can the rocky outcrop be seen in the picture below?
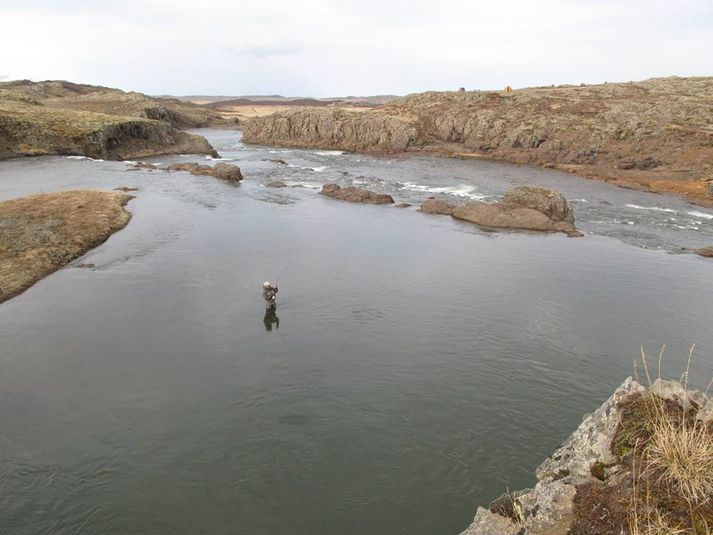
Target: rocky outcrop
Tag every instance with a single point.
(585, 485)
(30, 129)
(522, 208)
(225, 171)
(354, 194)
(653, 134)
(332, 128)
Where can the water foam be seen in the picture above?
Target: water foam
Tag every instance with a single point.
(329, 152)
(653, 208)
(84, 158)
(696, 213)
(462, 190)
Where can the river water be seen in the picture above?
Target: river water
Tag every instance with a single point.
(420, 365)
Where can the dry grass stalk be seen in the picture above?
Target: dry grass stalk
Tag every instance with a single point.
(677, 458)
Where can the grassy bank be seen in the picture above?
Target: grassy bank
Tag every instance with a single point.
(41, 233)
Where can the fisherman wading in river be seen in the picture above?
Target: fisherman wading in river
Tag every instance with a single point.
(269, 294)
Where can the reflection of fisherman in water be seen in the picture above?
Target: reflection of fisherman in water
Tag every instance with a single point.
(271, 318)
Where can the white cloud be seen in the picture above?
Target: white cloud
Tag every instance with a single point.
(335, 47)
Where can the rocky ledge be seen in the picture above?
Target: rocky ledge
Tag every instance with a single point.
(354, 194)
(28, 129)
(652, 135)
(224, 171)
(594, 484)
(523, 208)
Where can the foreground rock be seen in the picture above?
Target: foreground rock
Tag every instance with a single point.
(623, 133)
(354, 194)
(586, 485)
(522, 208)
(225, 171)
(41, 233)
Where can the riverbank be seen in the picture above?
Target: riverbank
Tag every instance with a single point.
(642, 463)
(42, 233)
(651, 135)
(58, 117)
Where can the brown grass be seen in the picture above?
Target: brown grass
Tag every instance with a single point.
(245, 112)
(672, 465)
(41, 233)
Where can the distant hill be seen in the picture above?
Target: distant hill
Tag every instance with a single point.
(216, 101)
(98, 99)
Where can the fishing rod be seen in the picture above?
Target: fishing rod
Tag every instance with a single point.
(282, 273)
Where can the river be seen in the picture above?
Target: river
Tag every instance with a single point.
(416, 367)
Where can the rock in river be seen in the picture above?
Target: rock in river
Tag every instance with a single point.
(226, 171)
(523, 207)
(353, 194)
(436, 206)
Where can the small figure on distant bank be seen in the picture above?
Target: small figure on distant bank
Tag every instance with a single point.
(269, 294)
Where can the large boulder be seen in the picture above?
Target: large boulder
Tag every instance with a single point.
(524, 208)
(354, 194)
(225, 171)
(550, 202)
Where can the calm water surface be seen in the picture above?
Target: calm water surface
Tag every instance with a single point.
(420, 364)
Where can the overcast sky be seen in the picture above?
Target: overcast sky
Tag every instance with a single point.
(348, 47)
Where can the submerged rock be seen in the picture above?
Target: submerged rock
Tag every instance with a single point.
(144, 165)
(276, 184)
(225, 171)
(126, 188)
(354, 194)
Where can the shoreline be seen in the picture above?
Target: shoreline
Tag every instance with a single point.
(697, 200)
(42, 233)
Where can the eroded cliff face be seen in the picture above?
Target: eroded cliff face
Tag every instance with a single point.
(654, 134)
(332, 128)
(28, 128)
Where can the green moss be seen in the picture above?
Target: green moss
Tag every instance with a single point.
(598, 471)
